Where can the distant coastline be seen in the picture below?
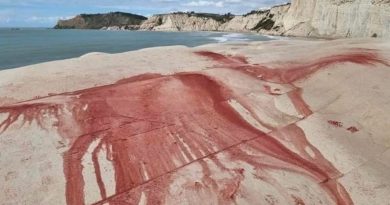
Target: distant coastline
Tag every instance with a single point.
(98, 21)
(299, 18)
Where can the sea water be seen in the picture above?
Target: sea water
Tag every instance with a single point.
(21, 47)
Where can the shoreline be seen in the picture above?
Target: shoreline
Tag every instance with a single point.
(274, 38)
(100, 56)
(240, 32)
(44, 51)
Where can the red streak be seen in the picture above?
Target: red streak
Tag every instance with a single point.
(158, 124)
(224, 59)
(96, 165)
(292, 73)
(300, 105)
(29, 112)
(288, 74)
(148, 121)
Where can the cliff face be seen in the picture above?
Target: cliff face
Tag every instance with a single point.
(314, 18)
(265, 21)
(185, 22)
(97, 21)
(338, 18)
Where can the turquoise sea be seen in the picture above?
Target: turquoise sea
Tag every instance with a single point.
(21, 47)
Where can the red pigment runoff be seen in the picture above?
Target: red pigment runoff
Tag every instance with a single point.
(149, 120)
(288, 74)
(160, 124)
(291, 73)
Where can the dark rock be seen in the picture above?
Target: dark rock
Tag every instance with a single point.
(265, 23)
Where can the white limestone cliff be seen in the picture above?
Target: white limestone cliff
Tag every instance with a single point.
(180, 22)
(267, 21)
(338, 18)
(264, 20)
(313, 18)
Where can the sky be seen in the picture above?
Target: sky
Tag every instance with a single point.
(45, 13)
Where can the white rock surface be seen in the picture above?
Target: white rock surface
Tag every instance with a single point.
(341, 18)
(180, 22)
(85, 130)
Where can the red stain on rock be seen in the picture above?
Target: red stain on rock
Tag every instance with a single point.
(29, 112)
(292, 73)
(231, 60)
(97, 168)
(353, 129)
(288, 74)
(151, 126)
(142, 77)
(299, 103)
(231, 188)
(271, 91)
(335, 123)
(154, 126)
(298, 201)
(295, 136)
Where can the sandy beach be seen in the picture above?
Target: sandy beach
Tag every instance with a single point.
(278, 122)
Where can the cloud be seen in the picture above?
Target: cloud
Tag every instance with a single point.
(5, 16)
(47, 19)
(5, 19)
(204, 3)
(233, 1)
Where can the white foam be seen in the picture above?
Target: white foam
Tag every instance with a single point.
(231, 37)
(276, 37)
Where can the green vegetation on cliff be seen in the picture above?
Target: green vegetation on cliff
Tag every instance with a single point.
(220, 18)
